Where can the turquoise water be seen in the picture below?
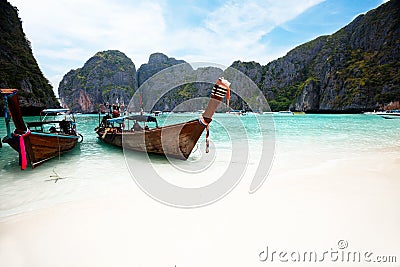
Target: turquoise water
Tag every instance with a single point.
(340, 132)
(94, 168)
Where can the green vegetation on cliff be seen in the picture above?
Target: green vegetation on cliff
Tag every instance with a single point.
(355, 69)
(108, 76)
(18, 67)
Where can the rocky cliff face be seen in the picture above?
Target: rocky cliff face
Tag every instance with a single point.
(106, 77)
(185, 95)
(18, 67)
(111, 75)
(355, 69)
(157, 62)
(188, 96)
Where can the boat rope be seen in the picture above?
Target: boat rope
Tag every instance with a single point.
(22, 149)
(206, 125)
(221, 88)
(7, 114)
(59, 148)
(81, 137)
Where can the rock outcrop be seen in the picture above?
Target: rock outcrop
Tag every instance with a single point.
(18, 67)
(157, 62)
(355, 69)
(189, 95)
(185, 95)
(108, 76)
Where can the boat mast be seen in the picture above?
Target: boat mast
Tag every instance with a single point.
(228, 97)
(141, 101)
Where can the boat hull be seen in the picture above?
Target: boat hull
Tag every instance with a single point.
(177, 140)
(390, 115)
(41, 147)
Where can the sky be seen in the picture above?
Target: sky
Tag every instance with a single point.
(65, 33)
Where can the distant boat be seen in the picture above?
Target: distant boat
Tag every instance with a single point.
(236, 112)
(37, 142)
(177, 140)
(285, 112)
(390, 114)
(281, 113)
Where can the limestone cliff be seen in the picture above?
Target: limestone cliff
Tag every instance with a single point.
(157, 62)
(18, 67)
(108, 76)
(355, 69)
(185, 97)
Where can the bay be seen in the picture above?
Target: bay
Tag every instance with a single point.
(96, 169)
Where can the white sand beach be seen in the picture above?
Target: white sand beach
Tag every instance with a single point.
(234, 91)
(311, 200)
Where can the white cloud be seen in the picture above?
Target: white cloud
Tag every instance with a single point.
(72, 24)
(66, 33)
(70, 31)
(234, 30)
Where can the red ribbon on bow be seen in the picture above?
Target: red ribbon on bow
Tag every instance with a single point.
(22, 149)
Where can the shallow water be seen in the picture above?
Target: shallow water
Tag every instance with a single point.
(95, 169)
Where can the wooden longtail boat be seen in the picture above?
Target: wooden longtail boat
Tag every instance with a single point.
(177, 140)
(37, 142)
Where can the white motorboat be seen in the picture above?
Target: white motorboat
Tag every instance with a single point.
(285, 112)
(390, 114)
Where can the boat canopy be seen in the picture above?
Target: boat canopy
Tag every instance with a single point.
(119, 120)
(55, 110)
(141, 118)
(6, 91)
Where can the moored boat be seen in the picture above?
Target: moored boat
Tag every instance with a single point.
(39, 141)
(285, 112)
(236, 112)
(390, 114)
(177, 140)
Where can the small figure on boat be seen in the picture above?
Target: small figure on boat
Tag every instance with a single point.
(115, 111)
(53, 129)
